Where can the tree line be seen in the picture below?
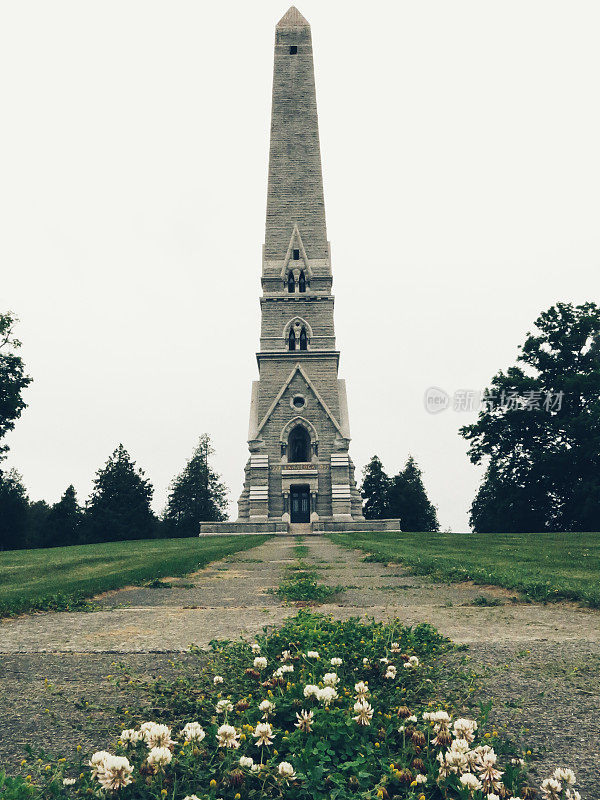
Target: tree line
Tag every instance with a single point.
(119, 506)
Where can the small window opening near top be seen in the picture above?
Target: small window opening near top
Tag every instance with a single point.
(293, 49)
(296, 255)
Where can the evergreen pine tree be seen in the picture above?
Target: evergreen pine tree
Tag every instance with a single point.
(374, 490)
(196, 495)
(63, 523)
(407, 499)
(119, 506)
(14, 507)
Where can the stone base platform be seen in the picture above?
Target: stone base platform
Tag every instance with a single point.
(279, 528)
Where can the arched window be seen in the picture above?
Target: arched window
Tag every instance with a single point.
(292, 340)
(302, 282)
(299, 444)
(291, 283)
(303, 339)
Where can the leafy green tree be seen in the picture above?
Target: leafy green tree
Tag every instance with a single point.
(12, 377)
(196, 495)
(119, 506)
(408, 501)
(374, 490)
(540, 430)
(63, 523)
(14, 508)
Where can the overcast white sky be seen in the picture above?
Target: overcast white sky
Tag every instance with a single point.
(460, 145)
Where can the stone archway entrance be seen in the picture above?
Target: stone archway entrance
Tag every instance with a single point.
(300, 503)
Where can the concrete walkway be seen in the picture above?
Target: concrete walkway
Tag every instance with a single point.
(230, 598)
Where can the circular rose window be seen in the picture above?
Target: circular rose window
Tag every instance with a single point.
(298, 401)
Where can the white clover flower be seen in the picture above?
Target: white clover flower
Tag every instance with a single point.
(255, 768)
(246, 762)
(459, 746)
(573, 794)
(305, 719)
(390, 672)
(336, 662)
(115, 772)
(412, 718)
(364, 712)
(285, 655)
(193, 732)
(384, 660)
(402, 728)
(362, 690)
(436, 716)
(330, 679)
(311, 690)
(96, 762)
(551, 789)
(564, 775)
(395, 647)
(267, 707)
(191, 797)
(263, 733)
(68, 781)
(282, 670)
(471, 781)
(493, 796)
(159, 756)
(255, 648)
(326, 695)
(365, 661)
(518, 762)
(217, 679)
(286, 770)
(465, 729)
(260, 662)
(223, 706)
(423, 779)
(227, 736)
(312, 654)
(413, 661)
(130, 736)
(156, 735)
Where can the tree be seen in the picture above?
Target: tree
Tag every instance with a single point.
(14, 507)
(119, 506)
(407, 500)
(374, 490)
(37, 514)
(12, 378)
(63, 523)
(196, 495)
(540, 430)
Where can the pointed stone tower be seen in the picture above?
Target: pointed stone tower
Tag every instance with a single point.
(299, 469)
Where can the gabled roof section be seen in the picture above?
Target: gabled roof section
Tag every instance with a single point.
(322, 403)
(296, 243)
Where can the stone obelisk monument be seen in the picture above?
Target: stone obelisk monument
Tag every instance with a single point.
(299, 472)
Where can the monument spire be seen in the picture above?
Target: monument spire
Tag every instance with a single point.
(295, 188)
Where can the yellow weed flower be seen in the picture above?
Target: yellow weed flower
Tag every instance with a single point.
(23, 762)
(163, 792)
(213, 783)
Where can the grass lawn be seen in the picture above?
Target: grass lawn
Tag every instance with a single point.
(62, 577)
(543, 566)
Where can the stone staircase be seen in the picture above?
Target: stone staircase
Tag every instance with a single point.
(300, 528)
